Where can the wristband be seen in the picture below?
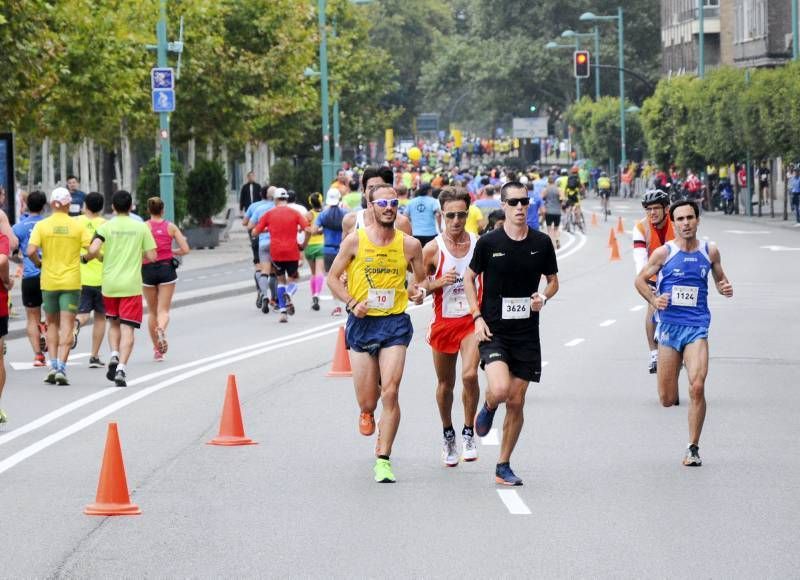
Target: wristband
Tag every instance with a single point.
(475, 318)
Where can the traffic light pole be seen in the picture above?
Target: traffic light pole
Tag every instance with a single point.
(327, 177)
(622, 144)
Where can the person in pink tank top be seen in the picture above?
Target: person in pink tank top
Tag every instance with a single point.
(159, 277)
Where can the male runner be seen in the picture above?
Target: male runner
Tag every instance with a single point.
(452, 330)
(681, 298)
(512, 261)
(60, 239)
(651, 233)
(378, 330)
(125, 242)
(266, 282)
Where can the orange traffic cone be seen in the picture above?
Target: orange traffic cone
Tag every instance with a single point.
(620, 226)
(341, 359)
(594, 219)
(112, 490)
(614, 251)
(612, 238)
(231, 429)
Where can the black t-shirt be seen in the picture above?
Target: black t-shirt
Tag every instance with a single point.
(763, 175)
(512, 269)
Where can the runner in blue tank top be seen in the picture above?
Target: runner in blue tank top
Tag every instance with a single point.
(681, 302)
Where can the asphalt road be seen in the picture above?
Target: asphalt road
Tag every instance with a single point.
(605, 493)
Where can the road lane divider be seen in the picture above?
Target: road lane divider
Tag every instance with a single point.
(513, 502)
(574, 342)
(491, 437)
(608, 322)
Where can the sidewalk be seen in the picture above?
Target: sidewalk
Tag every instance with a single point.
(764, 221)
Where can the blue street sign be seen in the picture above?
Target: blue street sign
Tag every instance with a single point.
(163, 100)
(162, 78)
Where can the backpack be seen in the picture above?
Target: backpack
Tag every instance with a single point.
(573, 182)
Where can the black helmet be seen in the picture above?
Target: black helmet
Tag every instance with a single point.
(655, 196)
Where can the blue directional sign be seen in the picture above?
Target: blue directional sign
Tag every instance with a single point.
(163, 100)
(162, 78)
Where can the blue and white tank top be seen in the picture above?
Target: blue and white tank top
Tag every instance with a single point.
(684, 277)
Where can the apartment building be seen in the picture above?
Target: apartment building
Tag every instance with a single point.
(680, 35)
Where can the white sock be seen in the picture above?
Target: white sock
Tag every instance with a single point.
(121, 367)
(653, 354)
(114, 353)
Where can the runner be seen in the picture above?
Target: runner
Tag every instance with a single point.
(378, 330)
(329, 222)
(125, 242)
(160, 276)
(452, 330)
(283, 224)
(60, 238)
(552, 210)
(31, 278)
(6, 283)
(651, 233)
(314, 252)
(681, 298)
(511, 262)
(266, 282)
(91, 282)
(424, 213)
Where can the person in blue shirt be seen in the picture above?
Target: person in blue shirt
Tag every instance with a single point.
(794, 189)
(76, 205)
(266, 282)
(423, 211)
(329, 221)
(31, 290)
(534, 207)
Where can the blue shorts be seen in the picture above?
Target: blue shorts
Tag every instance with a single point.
(372, 333)
(677, 336)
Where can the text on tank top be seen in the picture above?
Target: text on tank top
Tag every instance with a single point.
(450, 301)
(377, 275)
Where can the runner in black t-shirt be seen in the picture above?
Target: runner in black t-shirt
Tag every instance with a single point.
(511, 261)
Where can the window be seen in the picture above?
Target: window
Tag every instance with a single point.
(751, 20)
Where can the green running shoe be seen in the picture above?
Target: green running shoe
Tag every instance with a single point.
(383, 471)
(3, 416)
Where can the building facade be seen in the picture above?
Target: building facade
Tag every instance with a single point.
(680, 36)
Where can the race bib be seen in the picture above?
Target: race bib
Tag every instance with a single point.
(75, 208)
(455, 306)
(380, 298)
(514, 308)
(684, 295)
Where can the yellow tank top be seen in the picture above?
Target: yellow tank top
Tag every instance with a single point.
(318, 239)
(378, 275)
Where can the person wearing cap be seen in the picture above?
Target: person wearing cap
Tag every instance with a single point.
(60, 239)
(329, 223)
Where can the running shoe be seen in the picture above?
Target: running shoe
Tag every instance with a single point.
(366, 424)
(265, 306)
(61, 378)
(157, 356)
(75, 332)
(483, 420)
(161, 340)
(470, 452)
(112, 368)
(692, 457)
(283, 317)
(449, 451)
(3, 416)
(504, 476)
(259, 300)
(50, 379)
(383, 471)
(336, 312)
(43, 336)
(289, 304)
(95, 362)
(653, 364)
(39, 360)
(315, 303)
(119, 379)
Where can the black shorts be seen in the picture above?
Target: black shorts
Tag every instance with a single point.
(91, 299)
(286, 268)
(3, 326)
(606, 193)
(424, 239)
(254, 247)
(552, 219)
(329, 258)
(31, 292)
(161, 272)
(523, 357)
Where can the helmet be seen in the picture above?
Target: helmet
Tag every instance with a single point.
(655, 196)
(603, 174)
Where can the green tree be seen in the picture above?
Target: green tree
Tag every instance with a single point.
(148, 185)
(597, 129)
(207, 191)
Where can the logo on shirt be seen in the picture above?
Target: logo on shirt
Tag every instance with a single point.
(534, 252)
(498, 255)
(689, 259)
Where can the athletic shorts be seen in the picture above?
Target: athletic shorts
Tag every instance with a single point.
(606, 193)
(424, 239)
(372, 333)
(161, 272)
(552, 219)
(677, 336)
(91, 299)
(31, 292)
(127, 309)
(523, 357)
(254, 247)
(56, 301)
(285, 268)
(446, 334)
(313, 252)
(3, 328)
(329, 258)
(263, 254)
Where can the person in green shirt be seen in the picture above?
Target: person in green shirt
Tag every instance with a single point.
(124, 241)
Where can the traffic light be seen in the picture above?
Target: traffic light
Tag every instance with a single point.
(581, 64)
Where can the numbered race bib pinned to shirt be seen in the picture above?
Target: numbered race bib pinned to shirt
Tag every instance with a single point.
(380, 298)
(455, 306)
(684, 295)
(516, 308)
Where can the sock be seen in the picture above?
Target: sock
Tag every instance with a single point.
(386, 457)
(54, 364)
(281, 296)
(449, 432)
(121, 367)
(256, 276)
(653, 354)
(273, 286)
(291, 289)
(114, 353)
(319, 279)
(263, 284)
(468, 431)
(313, 284)
(61, 366)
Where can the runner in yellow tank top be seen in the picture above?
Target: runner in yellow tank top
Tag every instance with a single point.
(378, 330)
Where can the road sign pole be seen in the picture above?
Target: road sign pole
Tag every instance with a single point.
(327, 173)
(166, 177)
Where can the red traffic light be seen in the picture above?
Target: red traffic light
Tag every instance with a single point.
(581, 64)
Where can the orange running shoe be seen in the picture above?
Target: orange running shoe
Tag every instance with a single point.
(366, 424)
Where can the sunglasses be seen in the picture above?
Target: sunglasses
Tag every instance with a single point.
(455, 214)
(384, 203)
(515, 201)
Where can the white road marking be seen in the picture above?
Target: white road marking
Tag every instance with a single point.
(574, 342)
(780, 249)
(491, 438)
(581, 242)
(637, 308)
(608, 322)
(513, 502)
(545, 363)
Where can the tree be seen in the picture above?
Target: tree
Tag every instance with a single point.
(206, 191)
(597, 129)
(148, 185)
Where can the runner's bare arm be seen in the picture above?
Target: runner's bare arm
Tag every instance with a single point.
(180, 239)
(5, 228)
(482, 332)
(549, 291)
(93, 251)
(429, 261)
(413, 252)
(349, 223)
(653, 267)
(724, 285)
(5, 277)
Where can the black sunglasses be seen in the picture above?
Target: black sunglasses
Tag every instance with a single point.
(515, 201)
(455, 214)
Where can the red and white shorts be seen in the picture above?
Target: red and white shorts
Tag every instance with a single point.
(128, 309)
(446, 334)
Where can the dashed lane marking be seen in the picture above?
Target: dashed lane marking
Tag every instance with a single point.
(491, 438)
(574, 342)
(637, 308)
(513, 502)
(608, 322)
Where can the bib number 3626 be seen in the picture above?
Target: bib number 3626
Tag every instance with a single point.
(380, 298)
(684, 295)
(514, 308)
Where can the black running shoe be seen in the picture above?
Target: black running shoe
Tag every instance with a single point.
(315, 303)
(289, 304)
(75, 332)
(95, 362)
(692, 458)
(259, 300)
(265, 306)
(119, 379)
(112, 368)
(653, 366)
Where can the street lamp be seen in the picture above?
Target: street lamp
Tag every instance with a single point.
(551, 45)
(596, 35)
(589, 17)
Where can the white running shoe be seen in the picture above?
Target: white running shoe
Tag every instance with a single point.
(449, 452)
(470, 448)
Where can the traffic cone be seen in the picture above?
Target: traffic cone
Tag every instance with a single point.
(620, 226)
(614, 251)
(341, 359)
(112, 490)
(612, 238)
(231, 429)
(594, 219)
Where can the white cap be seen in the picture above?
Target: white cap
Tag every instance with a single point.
(61, 196)
(281, 193)
(333, 197)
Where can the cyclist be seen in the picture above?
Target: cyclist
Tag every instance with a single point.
(572, 197)
(604, 190)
